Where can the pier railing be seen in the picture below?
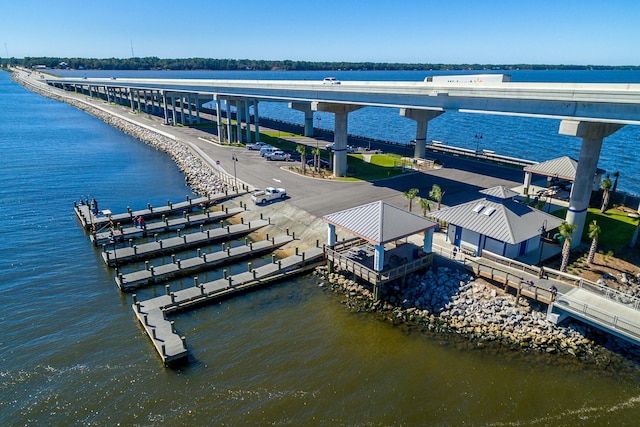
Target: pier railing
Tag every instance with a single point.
(342, 261)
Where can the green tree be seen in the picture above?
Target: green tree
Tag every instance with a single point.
(566, 230)
(425, 205)
(606, 189)
(436, 194)
(411, 194)
(594, 232)
(316, 158)
(302, 149)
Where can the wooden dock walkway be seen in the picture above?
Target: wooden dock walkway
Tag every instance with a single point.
(181, 268)
(152, 313)
(121, 234)
(114, 257)
(105, 217)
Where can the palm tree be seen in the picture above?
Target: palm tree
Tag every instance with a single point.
(302, 149)
(594, 232)
(436, 194)
(616, 175)
(316, 158)
(606, 188)
(566, 230)
(411, 194)
(425, 205)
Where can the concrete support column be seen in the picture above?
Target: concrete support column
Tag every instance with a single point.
(427, 243)
(422, 118)
(131, 100)
(527, 182)
(228, 108)
(173, 109)
(197, 108)
(341, 112)
(165, 110)
(378, 258)
(182, 115)
(219, 119)
(256, 121)
(247, 120)
(238, 121)
(331, 235)
(305, 107)
(592, 134)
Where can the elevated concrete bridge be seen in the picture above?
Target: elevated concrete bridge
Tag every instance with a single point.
(587, 111)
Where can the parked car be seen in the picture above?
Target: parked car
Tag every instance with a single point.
(267, 149)
(330, 81)
(278, 155)
(257, 146)
(269, 193)
(331, 146)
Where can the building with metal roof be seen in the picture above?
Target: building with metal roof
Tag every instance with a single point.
(380, 251)
(563, 168)
(497, 223)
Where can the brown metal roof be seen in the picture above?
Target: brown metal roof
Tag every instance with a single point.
(379, 222)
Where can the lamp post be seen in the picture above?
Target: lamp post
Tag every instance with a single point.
(235, 177)
(478, 138)
(542, 231)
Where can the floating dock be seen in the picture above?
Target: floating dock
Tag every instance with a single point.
(114, 257)
(152, 313)
(105, 217)
(124, 233)
(151, 275)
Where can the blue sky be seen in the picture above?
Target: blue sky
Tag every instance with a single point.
(422, 31)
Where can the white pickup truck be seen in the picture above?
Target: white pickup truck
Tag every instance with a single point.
(269, 193)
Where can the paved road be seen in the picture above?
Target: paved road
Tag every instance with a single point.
(460, 179)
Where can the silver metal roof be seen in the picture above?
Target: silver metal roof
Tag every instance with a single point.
(500, 192)
(563, 167)
(379, 222)
(509, 221)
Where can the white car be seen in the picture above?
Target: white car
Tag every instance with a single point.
(330, 81)
(257, 146)
(269, 193)
(278, 155)
(332, 146)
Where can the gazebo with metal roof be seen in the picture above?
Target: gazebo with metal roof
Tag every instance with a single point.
(375, 225)
(563, 168)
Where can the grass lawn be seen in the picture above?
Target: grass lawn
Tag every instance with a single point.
(617, 228)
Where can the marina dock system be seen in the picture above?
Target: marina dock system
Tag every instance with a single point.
(124, 233)
(114, 257)
(104, 218)
(181, 268)
(152, 313)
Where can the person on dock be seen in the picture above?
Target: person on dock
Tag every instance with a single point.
(94, 206)
(142, 224)
(553, 290)
(541, 273)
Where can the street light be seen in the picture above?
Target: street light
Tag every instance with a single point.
(542, 231)
(235, 178)
(478, 138)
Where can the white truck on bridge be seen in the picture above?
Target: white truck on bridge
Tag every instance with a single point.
(269, 193)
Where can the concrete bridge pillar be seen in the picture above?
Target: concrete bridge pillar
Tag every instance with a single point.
(165, 110)
(197, 108)
(592, 134)
(131, 100)
(256, 120)
(219, 119)
(422, 118)
(341, 112)
(247, 121)
(427, 243)
(228, 108)
(174, 116)
(378, 258)
(305, 107)
(331, 235)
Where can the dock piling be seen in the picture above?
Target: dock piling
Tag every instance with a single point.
(249, 266)
(195, 281)
(224, 273)
(273, 258)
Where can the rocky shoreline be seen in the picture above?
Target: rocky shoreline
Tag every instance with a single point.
(200, 178)
(450, 301)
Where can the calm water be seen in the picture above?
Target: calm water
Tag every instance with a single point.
(71, 351)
